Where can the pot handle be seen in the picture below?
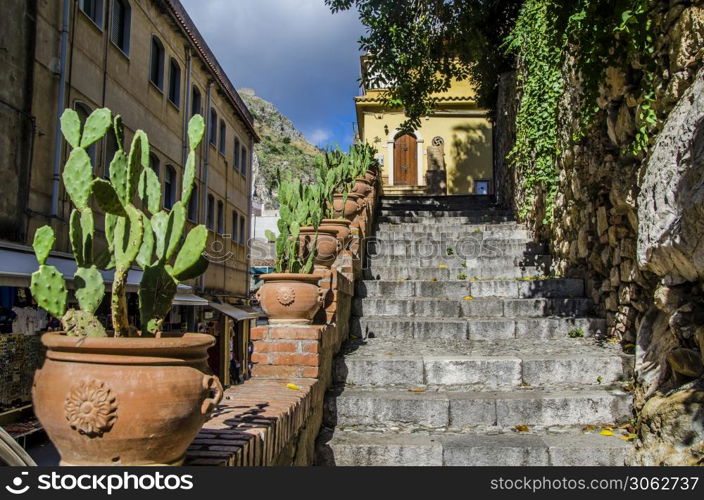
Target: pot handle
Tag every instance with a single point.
(322, 293)
(212, 384)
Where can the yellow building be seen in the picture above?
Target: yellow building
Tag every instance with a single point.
(456, 137)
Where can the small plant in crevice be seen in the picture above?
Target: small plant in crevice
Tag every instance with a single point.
(450, 251)
(576, 333)
(461, 276)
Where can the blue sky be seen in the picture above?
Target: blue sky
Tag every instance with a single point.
(293, 53)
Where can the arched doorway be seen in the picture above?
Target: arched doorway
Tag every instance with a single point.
(405, 160)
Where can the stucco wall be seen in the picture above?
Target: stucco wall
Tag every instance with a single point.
(468, 144)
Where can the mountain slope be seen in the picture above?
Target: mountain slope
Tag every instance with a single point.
(282, 146)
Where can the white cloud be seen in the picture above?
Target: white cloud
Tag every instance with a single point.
(319, 136)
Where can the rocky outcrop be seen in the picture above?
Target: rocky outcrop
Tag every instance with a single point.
(282, 146)
(671, 200)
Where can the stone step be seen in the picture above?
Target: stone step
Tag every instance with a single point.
(474, 328)
(441, 215)
(566, 447)
(489, 307)
(489, 261)
(451, 232)
(468, 247)
(435, 201)
(480, 365)
(459, 289)
(464, 410)
(500, 271)
(478, 218)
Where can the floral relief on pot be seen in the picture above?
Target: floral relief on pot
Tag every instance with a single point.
(90, 408)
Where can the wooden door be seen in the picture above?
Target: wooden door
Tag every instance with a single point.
(405, 161)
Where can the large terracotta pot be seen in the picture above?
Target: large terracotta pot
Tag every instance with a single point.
(342, 226)
(350, 208)
(326, 244)
(124, 401)
(362, 187)
(290, 298)
(370, 176)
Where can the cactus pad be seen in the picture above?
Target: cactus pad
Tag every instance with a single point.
(78, 176)
(196, 129)
(139, 156)
(118, 176)
(88, 234)
(48, 289)
(107, 198)
(95, 127)
(191, 252)
(149, 190)
(90, 288)
(177, 222)
(128, 237)
(189, 175)
(156, 294)
(43, 243)
(160, 224)
(75, 235)
(82, 323)
(144, 257)
(71, 127)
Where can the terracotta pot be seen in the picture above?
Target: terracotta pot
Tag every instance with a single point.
(342, 226)
(124, 401)
(350, 208)
(290, 298)
(362, 187)
(370, 176)
(326, 244)
(359, 199)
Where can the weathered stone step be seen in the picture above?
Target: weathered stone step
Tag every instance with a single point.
(468, 247)
(438, 202)
(489, 261)
(566, 448)
(442, 231)
(479, 217)
(471, 271)
(441, 214)
(489, 307)
(478, 364)
(458, 410)
(474, 328)
(459, 289)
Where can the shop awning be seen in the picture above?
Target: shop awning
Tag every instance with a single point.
(17, 263)
(186, 297)
(238, 313)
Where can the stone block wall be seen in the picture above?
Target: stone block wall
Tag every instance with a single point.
(631, 226)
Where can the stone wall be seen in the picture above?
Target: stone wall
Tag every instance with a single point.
(632, 227)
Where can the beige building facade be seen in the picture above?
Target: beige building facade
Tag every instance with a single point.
(456, 138)
(146, 61)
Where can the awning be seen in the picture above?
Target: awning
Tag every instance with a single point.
(186, 297)
(17, 263)
(238, 313)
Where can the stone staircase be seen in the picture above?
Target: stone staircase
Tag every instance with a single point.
(465, 354)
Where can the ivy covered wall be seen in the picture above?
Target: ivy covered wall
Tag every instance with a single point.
(596, 84)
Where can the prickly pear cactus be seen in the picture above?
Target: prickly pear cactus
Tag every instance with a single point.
(156, 242)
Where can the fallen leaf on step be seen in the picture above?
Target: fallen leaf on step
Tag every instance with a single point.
(606, 432)
(469, 297)
(293, 387)
(416, 389)
(628, 437)
(442, 266)
(521, 428)
(588, 428)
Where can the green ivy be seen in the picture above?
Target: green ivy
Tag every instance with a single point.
(538, 42)
(599, 34)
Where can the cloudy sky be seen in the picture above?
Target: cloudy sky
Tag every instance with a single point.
(294, 53)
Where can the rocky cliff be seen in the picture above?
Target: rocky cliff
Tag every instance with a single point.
(282, 146)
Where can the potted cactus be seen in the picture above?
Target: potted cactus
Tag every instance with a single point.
(292, 294)
(130, 396)
(328, 178)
